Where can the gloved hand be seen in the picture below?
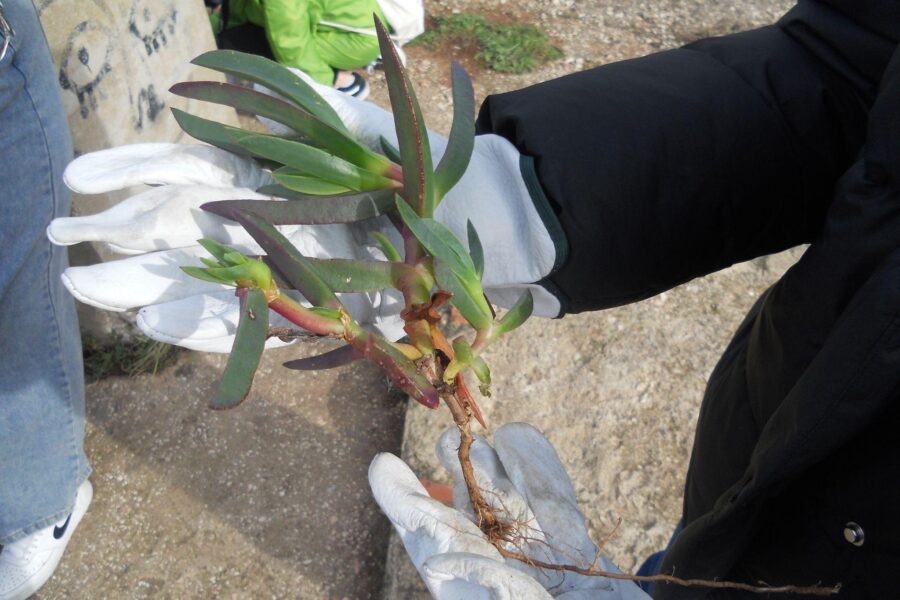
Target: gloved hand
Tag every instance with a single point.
(527, 485)
(161, 226)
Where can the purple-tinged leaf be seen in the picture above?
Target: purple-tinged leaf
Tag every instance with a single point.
(273, 76)
(327, 360)
(401, 370)
(310, 129)
(415, 152)
(462, 134)
(312, 210)
(292, 265)
(249, 342)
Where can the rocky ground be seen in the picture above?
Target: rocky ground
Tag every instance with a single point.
(271, 501)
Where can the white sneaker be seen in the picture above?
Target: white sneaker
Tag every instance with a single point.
(27, 564)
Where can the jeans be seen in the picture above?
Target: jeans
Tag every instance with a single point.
(42, 460)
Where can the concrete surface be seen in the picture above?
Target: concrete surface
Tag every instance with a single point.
(270, 501)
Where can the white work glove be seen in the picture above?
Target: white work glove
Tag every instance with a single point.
(526, 484)
(161, 226)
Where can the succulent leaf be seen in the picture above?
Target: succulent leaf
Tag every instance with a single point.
(297, 186)
(309, 160)
(327, 360)
(438, 241)
(207, 131)
(462, 133)
(415, 152)
(517, 315)
(273, 76)
(310, 129)
(311, 210)
(476, 250)
(390, 251)
(295, 267)
(399, 368)
(249, 342)
(468, 299)
(390, 150)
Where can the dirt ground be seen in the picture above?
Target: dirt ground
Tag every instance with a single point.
(270, 501)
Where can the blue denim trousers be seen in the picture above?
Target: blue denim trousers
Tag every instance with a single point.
(42, 460)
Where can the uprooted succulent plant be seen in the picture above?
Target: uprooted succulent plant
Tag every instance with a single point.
(324, 175)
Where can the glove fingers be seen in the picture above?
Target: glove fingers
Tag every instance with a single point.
(462, 576)
(161, 164)
(157, 219)
(537, 473)
(425, 526)
(205, 322)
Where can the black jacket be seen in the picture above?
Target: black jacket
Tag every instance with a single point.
(672, 166)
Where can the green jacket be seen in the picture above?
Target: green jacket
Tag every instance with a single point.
(299, 39)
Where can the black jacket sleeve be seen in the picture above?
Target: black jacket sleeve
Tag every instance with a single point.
(671, 166)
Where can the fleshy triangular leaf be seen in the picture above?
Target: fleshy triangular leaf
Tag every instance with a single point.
(390, 251)
(206, 276)
(470, 303)
(438, 240)
(292, 265)
(310, 161)
(350, 275)
(418, 170)
(462, 133)
(390, 150)
(249, 342)
(207, 131)
(400, 369)
(310, 129)
(517, 315)
(476, 250)
(327, 360)
(297, 186)
(273, 76)
(312, 210)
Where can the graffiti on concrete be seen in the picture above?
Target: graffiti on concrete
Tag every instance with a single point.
(81, 71)
(152, 29)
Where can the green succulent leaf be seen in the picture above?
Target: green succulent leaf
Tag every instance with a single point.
(207, 131)
(311, 210)
(293, 266)
(273, 76)
(327, 360)
(476, 250)
(206, 276)
(390, 251)
(310, 129)
(215, 248)
(468, 297)
(517, 315)
(462, 133)
(390, 150)
(249, 342)
(438, 241)
(349, 275)
(309, 161)
(293, 183)
(415, 153)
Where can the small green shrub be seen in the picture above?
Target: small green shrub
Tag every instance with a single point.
(503, 48)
